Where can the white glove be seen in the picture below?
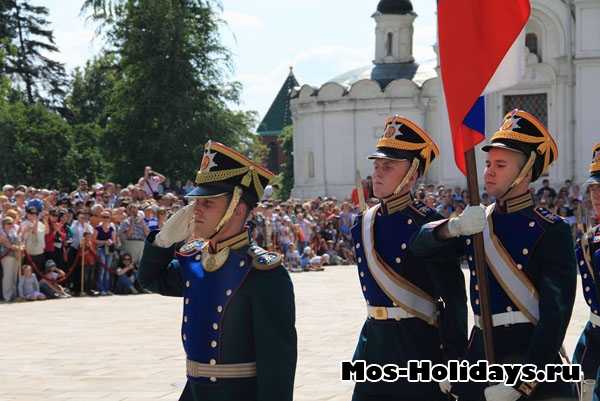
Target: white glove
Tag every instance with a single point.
(500, 392)
(471, 221)
(178, 228)
(445, 386)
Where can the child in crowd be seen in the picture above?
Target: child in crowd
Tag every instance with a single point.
(29, 288)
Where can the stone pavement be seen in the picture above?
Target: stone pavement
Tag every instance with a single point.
(127, 348)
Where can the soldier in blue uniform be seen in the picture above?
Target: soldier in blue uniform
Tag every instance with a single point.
(238, 323)
(406, 319)
(587, 352)
(530, 262)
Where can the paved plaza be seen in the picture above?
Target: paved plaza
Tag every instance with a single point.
(127, 348)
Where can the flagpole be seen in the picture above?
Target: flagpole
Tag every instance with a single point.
(480, 267)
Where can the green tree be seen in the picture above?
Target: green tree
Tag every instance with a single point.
(36, 145)
(287, 170)
(28, 63)
(91, 90)
(172, 94)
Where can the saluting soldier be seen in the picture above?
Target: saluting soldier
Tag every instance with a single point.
(238, 323)
(530, 262)
(587, 352)
(406, 320)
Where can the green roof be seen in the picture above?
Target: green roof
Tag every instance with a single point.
(279, 116)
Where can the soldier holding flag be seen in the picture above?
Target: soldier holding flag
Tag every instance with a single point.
(530, 263)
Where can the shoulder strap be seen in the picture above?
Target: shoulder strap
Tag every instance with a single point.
(404, 293)
(513, 281)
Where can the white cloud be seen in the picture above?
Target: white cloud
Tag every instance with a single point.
(237, 20)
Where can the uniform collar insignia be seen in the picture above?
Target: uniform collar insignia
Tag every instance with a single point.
(235, 242)
(516, 203)
(214, 261)
(396, 203)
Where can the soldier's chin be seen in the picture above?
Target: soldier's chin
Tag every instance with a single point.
(379, 192)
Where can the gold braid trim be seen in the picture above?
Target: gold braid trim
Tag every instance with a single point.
(220, 175)
(545, 144)
(595, 167)
(428, 148)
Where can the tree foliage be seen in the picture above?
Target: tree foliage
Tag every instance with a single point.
(287, 170)
(30, 46)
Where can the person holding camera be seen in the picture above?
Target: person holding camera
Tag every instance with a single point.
(133, 231)
(151, 181)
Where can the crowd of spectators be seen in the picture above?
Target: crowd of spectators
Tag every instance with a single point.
(55, 244)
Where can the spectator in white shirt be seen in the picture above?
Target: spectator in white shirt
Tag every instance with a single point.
(33, 232)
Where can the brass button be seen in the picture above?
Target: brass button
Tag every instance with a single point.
(508, 309)
(519, 266)
(215, 326)
(219, 309)
(468, 241)
(242, 263)
(213, 344)
(398, 260)
(357, 245)
(403, 246)
(409, 221)
(184, 337)
(213, 379)
(525, 251)
(532, 224)
(362, 274)
(212, 362)
(187, 301)
(187, 284)
(359, 259)
(185, 319)
(228, 292)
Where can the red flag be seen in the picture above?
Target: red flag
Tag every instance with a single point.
(474, 38)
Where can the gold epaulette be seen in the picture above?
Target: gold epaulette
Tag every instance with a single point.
(264, 260)
(547, 215)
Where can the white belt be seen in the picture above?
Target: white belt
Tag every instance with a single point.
(385, 313)
(502, 319)
(594, 319)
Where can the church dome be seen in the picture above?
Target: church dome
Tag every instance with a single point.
(395, 7)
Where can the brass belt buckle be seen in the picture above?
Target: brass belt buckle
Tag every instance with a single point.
(380, 313)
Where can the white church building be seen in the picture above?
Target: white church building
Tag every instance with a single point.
(337, 124)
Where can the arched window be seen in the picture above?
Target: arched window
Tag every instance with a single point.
(389, 44)
(531, 41)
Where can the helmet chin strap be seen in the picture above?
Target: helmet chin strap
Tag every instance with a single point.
(235, 200)
(522, 174)
(408, 176)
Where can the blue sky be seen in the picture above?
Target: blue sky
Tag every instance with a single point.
(319, 38)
